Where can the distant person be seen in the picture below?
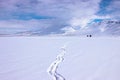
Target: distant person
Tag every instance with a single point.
(89, 35)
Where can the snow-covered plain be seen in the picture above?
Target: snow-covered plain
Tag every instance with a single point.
(28, 58)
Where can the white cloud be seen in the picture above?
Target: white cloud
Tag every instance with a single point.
(68, 30)
(24, 24)
(82, 13)
(16, 26)
(73, 13)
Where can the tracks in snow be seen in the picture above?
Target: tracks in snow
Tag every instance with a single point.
(52, 70)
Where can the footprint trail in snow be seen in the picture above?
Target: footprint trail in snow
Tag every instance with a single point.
(52, 70)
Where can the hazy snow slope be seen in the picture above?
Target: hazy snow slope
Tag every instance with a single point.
(28, 58)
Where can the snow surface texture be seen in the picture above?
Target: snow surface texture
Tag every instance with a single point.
(28, 58)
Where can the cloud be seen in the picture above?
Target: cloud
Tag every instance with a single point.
(43, 26)
(15, 26)
(51, 16)
(65, 9)
(24, 24)
(80, 22)
(81, 13)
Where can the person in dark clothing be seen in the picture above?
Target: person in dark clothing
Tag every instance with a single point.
(89, 35)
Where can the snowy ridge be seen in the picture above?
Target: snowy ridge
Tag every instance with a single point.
(105, 27)
(52, 70)
(100, 28)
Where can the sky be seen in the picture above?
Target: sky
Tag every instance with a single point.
(48, 17)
